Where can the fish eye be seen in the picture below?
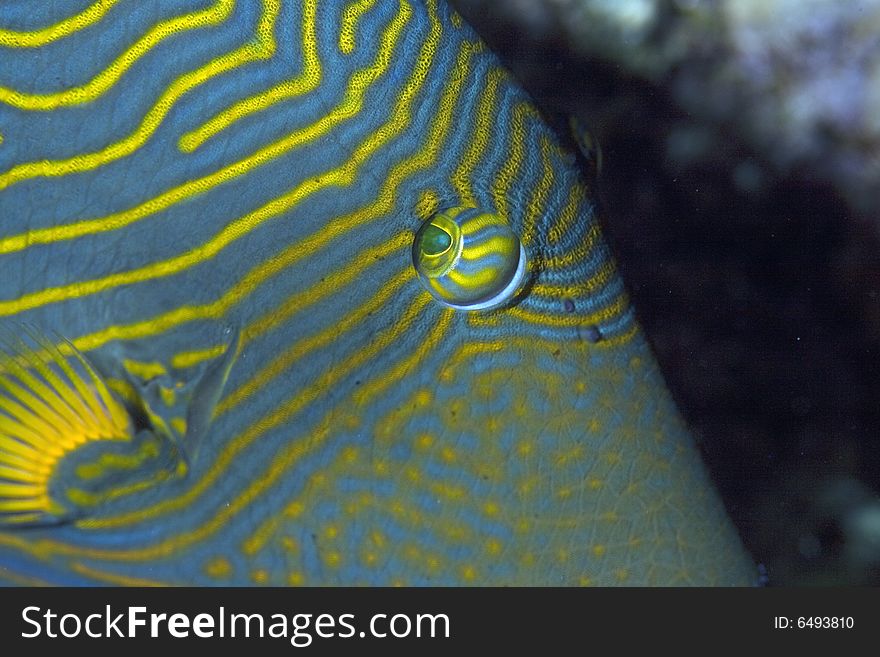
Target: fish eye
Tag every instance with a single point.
(469, 259)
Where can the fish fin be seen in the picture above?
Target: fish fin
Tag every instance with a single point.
(53, 403)
(79, 437)
(176, 400)
(206, 395)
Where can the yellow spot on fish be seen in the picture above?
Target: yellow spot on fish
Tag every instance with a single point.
(295, 578)
(527, 486)
(218, 567)
(459, 408)
(251, 546)
(142, 370)
(260, 576)
(573, 454)
(448, 491)
(378, 539)
(179, 425)
(456, 533)
(168, 395)
(524, 447)
(485, 391)
(384, 431)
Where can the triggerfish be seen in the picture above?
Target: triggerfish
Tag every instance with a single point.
(299, 293)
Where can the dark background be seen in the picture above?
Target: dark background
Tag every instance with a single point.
(760, 294)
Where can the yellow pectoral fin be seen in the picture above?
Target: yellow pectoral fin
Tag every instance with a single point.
(51, 404)
(73, 441)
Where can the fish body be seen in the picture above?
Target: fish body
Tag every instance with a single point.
(228, 210)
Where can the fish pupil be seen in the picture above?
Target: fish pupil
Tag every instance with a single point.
(435, 240)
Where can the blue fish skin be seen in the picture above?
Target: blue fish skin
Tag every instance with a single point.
(217, 203)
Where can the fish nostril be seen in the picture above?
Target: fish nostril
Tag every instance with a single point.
(435, 241)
